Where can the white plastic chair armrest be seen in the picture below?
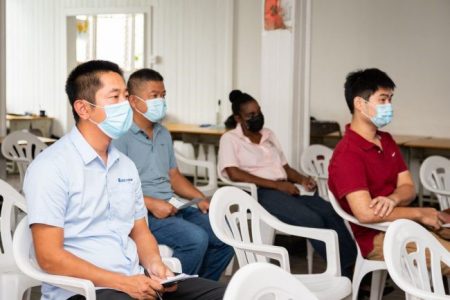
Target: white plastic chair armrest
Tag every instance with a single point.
(173, 264)
(165, 251)
(194, 162)
(383, 226)
(212, 176)
(438, 192)
(329, 237)
(77, 285)
(277, 253)
(246, 186)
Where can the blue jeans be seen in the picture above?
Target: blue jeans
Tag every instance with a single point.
(314, 212)
(190, 235)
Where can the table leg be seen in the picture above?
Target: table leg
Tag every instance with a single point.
(196, 154)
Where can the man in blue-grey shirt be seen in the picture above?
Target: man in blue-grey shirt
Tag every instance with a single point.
(149, 144)
(85, 204)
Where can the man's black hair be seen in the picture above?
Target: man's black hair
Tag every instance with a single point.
(364, 83)
(140, 76)
(84, 81)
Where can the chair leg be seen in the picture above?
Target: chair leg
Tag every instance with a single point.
(9, 287)
(229, 269)
(378, 282)
(448, 283)
(27, 294)
(309, 256)
(358, 275)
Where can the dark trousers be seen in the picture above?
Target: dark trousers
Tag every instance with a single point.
(191, 289)
(314, 212)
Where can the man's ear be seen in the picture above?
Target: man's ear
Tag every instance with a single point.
(358, 103)
(132, 99)
(82, 108)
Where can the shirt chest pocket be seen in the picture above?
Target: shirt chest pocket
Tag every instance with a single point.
(122, 203)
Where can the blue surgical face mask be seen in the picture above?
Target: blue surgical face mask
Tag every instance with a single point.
(119, 118)
(156, 109)
(383, 116)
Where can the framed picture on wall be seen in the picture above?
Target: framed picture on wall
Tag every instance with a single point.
(277, 14)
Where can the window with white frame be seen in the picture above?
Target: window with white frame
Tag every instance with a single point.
(114, 37)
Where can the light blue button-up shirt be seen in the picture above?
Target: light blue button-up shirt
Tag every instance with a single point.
(153, 158)
(69, 186)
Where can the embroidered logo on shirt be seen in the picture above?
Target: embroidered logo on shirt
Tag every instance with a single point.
(124, 179)
(393, 154)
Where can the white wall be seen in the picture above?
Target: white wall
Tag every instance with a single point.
(193, 42)
(36, 54)
(247, 47)
(409, 39)
(2, 68)
(192, 39)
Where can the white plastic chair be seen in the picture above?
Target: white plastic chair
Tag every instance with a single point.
(22, 147)
(229, 216)
(362, 265)
(435, 177)
(211, 187)
(314, 162)
(409, 270)
(260, 281)
(268, 234)
(24, 257)
(13, 283)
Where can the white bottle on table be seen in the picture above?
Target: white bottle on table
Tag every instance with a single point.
(219, 114)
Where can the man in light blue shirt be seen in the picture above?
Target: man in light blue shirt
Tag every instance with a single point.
(149, 144)
(85, 203)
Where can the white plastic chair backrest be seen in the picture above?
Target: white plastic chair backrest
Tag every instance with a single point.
(24, 257)
(314, 162)
(409, 270)
(236, 219)
(246, 186)
(210, 188)
(351, 219)
(435, 177)
(259, 281)
(22, 147)
(11, 199)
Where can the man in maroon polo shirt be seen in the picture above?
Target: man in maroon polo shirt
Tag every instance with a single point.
(367, 173)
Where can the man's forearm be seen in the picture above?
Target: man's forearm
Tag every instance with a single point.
(184, 188)
(403, 195)
(62, 262)
(411, 213)
(146, 244)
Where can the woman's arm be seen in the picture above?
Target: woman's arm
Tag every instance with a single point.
(236, 174)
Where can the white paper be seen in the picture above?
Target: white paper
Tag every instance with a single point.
(303, 191)
(180, 204)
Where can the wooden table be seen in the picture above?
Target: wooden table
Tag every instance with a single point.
(19, 122)
(430, 143)
(400, 139)
(196, 135)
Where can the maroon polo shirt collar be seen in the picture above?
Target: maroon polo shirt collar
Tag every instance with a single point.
(359, 140)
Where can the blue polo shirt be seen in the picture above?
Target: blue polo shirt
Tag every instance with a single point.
(153, 158)
(69, 186)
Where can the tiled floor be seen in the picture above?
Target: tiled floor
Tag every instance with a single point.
(295, 246)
